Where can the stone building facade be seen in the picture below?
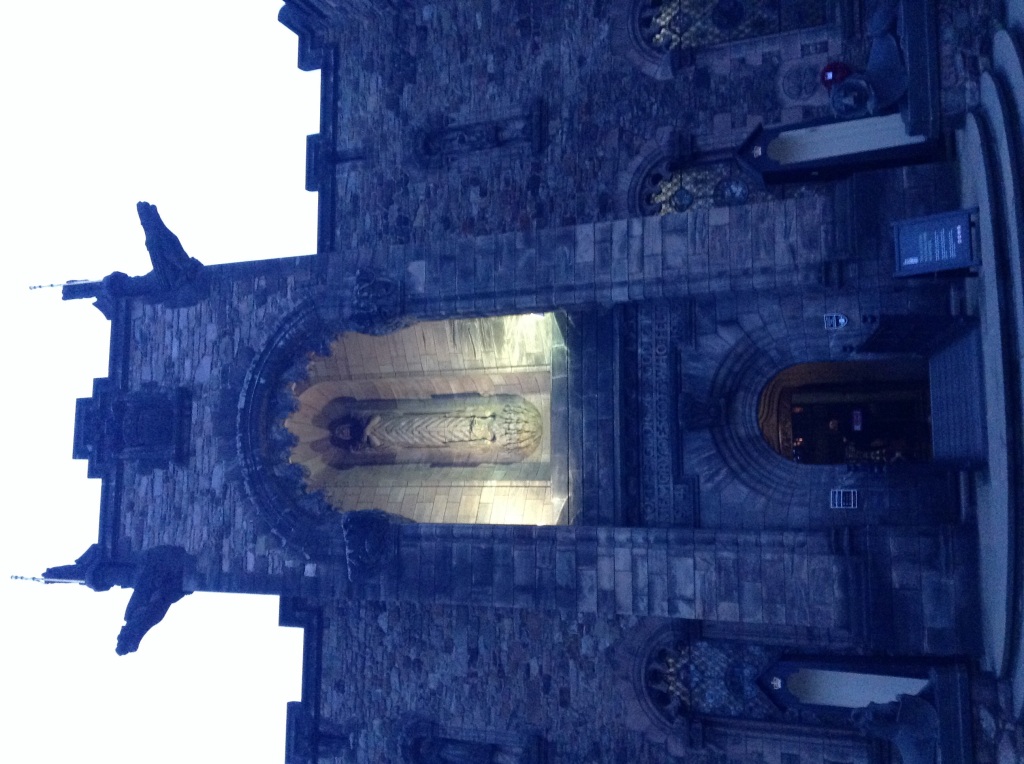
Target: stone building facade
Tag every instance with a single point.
(547, 203)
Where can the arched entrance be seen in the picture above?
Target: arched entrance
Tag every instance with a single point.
(858, 413)
(441, 422)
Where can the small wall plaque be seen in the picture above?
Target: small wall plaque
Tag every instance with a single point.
(835, 321)
(934, 243)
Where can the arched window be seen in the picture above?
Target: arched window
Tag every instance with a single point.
(667, 28)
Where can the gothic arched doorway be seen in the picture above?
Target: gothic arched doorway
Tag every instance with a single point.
(849, 412)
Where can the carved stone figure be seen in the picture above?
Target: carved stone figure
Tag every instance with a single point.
(158, 585)
(376, 305)
(171, 264)
(530, 127)
(156, 577)
(456, 430)
(176, 279)
(414, 431)
(369, 544)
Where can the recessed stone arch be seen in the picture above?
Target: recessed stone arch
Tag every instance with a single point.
(744, 482)
(734, 393)
(441, 421)
(297, 376)
(300, 519)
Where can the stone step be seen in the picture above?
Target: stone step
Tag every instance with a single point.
(1001, 103)
(1007, 58)
(997, 102)
(994, 520)
(1001, 114)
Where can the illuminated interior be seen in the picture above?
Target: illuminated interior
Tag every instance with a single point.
(849, 412)
(454, 376)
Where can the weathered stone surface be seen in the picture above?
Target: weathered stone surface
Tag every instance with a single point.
(486, 157)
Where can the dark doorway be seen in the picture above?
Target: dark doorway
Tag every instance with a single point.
(856, 413)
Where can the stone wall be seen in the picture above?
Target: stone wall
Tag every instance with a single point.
(568, 681)
(201, 505)
(487, 670)
(775, 244)
(797, 580)
(776, 747)
(563, 73)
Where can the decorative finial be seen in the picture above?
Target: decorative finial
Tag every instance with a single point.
(63, 284)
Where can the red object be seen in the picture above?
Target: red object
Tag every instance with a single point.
(834, 73)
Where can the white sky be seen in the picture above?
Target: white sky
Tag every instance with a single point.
(196, 106)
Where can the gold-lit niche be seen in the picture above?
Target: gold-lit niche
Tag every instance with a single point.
(441, 422)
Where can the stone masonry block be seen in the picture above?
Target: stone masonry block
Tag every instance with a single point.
(585, 239)
(504, 575)
(641, 581)
(938, 601)
(657, 561)
(705, 598)
(606, 570)
(624, 592)
(634, 248)
(751, 602)
(652, 250)
(586, 590)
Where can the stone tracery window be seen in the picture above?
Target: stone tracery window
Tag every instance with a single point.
(666, 27)
(667, 681)
(668, 185)
(681, 677)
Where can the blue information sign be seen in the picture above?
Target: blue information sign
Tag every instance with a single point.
(934, 243)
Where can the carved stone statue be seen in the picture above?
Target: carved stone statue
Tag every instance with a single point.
(529, 127)
(156, 576)
(157, 585)
(402, 431)
(369, 543)
(456, 430)
(376, 304)
(176, 279)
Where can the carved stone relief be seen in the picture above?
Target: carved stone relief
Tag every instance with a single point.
(463, 429)
(683, 677)
(376, 305)
(427, 743)
(527, 129)
(668, 497)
